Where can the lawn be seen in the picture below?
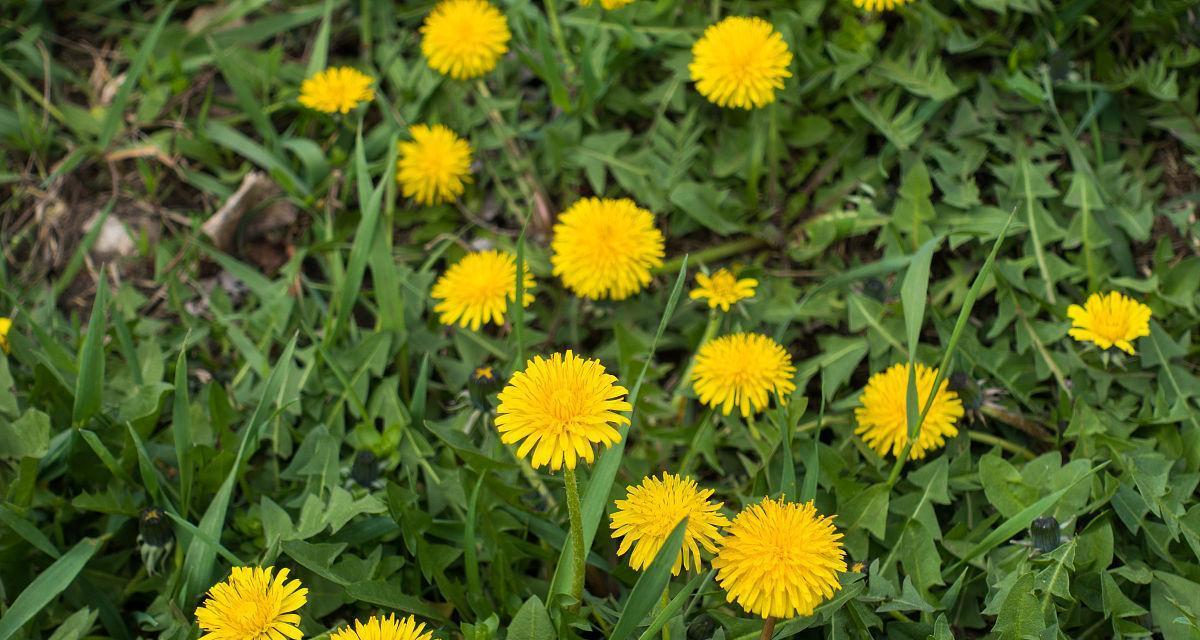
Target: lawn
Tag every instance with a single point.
(619, 319)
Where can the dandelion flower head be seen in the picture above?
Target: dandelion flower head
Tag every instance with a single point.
(740, 62)
(477, 289)
(434, 166)
(336, 90)
(252, 604)
(883, 415)
(780, 559)
(650, 512)
(1110, 320)
(464, 39)
(606, 248)
(559, 408)
(742, 370)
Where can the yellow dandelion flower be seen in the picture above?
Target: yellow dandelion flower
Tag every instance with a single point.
(608, 4)
(605, 248)
(880, 5)
(484, 374)
(740, 62)
(1110, 320)
(722, 289)
(389, 628)
(649, 513)
(780, 559)
(464, 39)
(477, 289)
(435, 166)
(336, 90)
(883, 417)
(253, 604)
(741, 370)
(5, 327)
(559, 408)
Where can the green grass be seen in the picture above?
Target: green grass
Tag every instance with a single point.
(933, 185)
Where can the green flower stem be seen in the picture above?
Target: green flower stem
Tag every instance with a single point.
(557, 32)
(768, 630)
(576, 515)
(710, 330)
(996, 441)
(666, 600)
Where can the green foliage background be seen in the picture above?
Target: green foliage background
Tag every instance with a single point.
(237, 399)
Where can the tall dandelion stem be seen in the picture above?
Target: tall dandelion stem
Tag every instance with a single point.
(768, 628)
(575, 512)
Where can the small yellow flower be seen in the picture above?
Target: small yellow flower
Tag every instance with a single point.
(336, 90)
(883, 417)
(464, 39)
(5, 327)
(253, 604)
(880, 5)
(1110, 320)
(484, 374)
(722, 289)
(478, 288)
(559, 408)
(649, 513)
(435, 166)
(606, 248)
(389, 628)
(740, 62)
(741, 370)
(608, 4)
(780, 559)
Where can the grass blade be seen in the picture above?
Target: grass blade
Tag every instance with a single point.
(370, 203)
(181, 429)
(320, 49)
(649, 587)
(198, 562)
(90, 381)
(116, 111)
(948, 351)
(913, 293)
(676, 603)
(47, 586)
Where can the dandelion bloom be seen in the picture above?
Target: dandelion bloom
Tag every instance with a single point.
(1110, 320)
(605, 248)
(5, 327)
(741, 370)
(883, 417)
(780, 559)
(649, 513)
(253, 604)
(389, 628)
(722, 289)
(464, 39)
(336, 90)
(880, 5)
(477, 289)
(740, 62)
(608, 4)
(435, 166)
(559, 408)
